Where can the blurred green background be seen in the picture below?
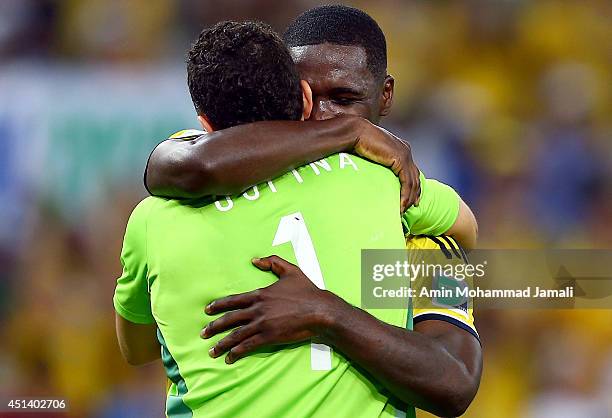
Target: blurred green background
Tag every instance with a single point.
(508, 101)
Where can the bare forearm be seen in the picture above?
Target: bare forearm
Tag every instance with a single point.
(229, 161)
(415, 367)
(137, 343)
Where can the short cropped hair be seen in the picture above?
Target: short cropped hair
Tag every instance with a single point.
(242, 72)
(342, 25)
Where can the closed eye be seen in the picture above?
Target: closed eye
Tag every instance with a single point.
(343, 101)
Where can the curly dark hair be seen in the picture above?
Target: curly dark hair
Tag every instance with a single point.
(241, 72)
(341, 25)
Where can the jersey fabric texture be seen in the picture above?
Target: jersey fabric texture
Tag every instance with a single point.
(441, 250)
(180, 255)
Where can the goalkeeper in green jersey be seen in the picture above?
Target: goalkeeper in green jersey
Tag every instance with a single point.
(181, 255)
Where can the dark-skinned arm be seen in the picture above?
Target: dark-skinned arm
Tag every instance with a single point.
(436, 368)
(229, 161)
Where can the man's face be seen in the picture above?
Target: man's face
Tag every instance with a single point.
(341, 82)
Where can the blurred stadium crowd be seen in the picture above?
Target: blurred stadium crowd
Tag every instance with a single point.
(508, 101)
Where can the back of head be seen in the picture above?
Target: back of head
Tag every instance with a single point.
(341, 25)
(241, 72)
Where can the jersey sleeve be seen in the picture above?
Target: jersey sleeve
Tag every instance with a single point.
(437, 210)
(132, 298)
(443, 251)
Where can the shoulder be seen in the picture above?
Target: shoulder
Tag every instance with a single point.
(447, 246)
(145, 205)
(141, 212)
(427, 242)
(187, 134)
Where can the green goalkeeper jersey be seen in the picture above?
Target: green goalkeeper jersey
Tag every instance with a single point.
(178, 256)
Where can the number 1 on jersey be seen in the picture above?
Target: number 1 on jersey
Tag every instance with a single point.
(292, 229)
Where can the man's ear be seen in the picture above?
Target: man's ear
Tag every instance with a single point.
(307, 98)
(386, 99)
(206, 125)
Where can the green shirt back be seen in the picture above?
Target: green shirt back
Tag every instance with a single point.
(178, 256)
